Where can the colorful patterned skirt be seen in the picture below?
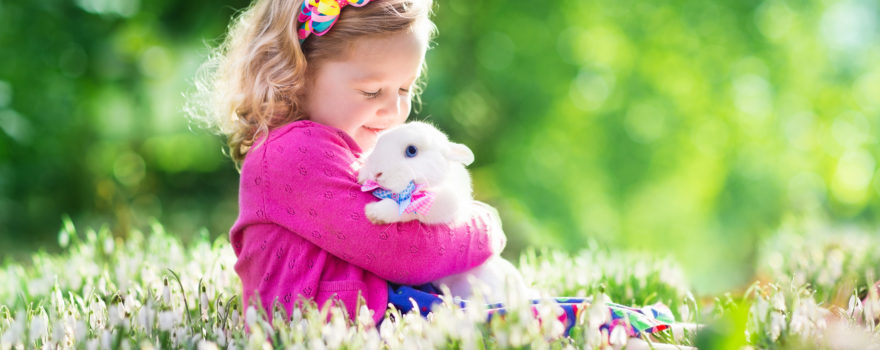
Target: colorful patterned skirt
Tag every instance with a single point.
(636, 321)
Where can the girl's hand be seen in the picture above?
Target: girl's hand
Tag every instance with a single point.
(385, 211)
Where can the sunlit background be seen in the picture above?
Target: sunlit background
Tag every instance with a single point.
(688, 128)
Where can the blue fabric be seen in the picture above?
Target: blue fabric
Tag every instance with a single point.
(635, 320)
(403, 199)
(425, 295)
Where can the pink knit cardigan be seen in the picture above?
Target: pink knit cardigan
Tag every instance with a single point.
(301, 229)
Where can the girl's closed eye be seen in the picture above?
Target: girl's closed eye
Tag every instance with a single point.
(374, 94)
(371, 95)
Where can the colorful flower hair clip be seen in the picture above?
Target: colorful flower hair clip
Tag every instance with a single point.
(317, 16)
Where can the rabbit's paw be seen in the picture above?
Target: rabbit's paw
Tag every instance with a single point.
(382, 212)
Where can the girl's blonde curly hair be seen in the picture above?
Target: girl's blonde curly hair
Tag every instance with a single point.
(254, 81)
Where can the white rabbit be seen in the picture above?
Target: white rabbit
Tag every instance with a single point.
(417, 157)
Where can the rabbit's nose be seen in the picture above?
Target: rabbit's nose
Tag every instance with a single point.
(378, 175)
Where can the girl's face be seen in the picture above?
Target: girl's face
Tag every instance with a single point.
(370, 89)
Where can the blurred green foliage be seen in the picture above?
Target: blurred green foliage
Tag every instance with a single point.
(692, 128)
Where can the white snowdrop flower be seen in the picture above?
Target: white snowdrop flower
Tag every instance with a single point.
(92, 344)
(220, 336)
(316, 344)
(779, 302)
(386, 330)
(235, 318)
(777, 324)
(39, 327)
(102, 287)
(58, 332)
(598, 314)
(502, 338)
(115, 315)
(407, 341)
(414, 321)
(67, 342)
(685, 312)
(257, 339)
(303, 327)
(436, 337)
(618, 336)
(296, 315)
(592, 338)
(221, 310)
(108, 245)
(146, 345)
(166, 320)
(476, 312)
(128, 305)
(106, 340)
(855, 307)
(166, 292)
(278, 314)
(550, 325)
(251, 316)
(364, 317)
(332, 336)
(79, 331)
(203, 300)
(297, 346)
(63, 238)
(373, 341)
(800, 320)
(175, 337)
(98, 317)
(677, 332)
(58, 301)
(15, 332)
(207, 345)
(467, 339)
(518, 339)
(145, 318)
(69, 323)
(759, 309)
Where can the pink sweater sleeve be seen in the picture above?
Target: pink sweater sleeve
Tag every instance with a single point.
(308, 185)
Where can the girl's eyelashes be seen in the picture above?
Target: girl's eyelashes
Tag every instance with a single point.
(370, 95)
(374, 94)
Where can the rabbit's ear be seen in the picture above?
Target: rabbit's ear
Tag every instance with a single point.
(457, 152)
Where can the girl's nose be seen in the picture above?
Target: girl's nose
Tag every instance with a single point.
(391, 106)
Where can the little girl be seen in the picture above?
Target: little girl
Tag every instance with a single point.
(301, 89)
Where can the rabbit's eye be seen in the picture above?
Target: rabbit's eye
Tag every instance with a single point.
(411, 151)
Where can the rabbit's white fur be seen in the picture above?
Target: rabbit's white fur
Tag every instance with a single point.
(439, 165)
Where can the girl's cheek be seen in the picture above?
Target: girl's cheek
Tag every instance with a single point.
(407, 105)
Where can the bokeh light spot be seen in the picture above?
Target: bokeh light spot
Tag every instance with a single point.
(854, 172)
(129, 169)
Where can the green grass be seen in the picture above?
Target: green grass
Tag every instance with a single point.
(152, 291)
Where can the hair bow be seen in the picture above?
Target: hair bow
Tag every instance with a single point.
(317, 16)
(413, 199)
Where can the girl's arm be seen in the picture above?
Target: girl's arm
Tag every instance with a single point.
(310, 187)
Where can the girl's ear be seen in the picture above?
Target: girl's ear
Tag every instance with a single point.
(457, 152)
